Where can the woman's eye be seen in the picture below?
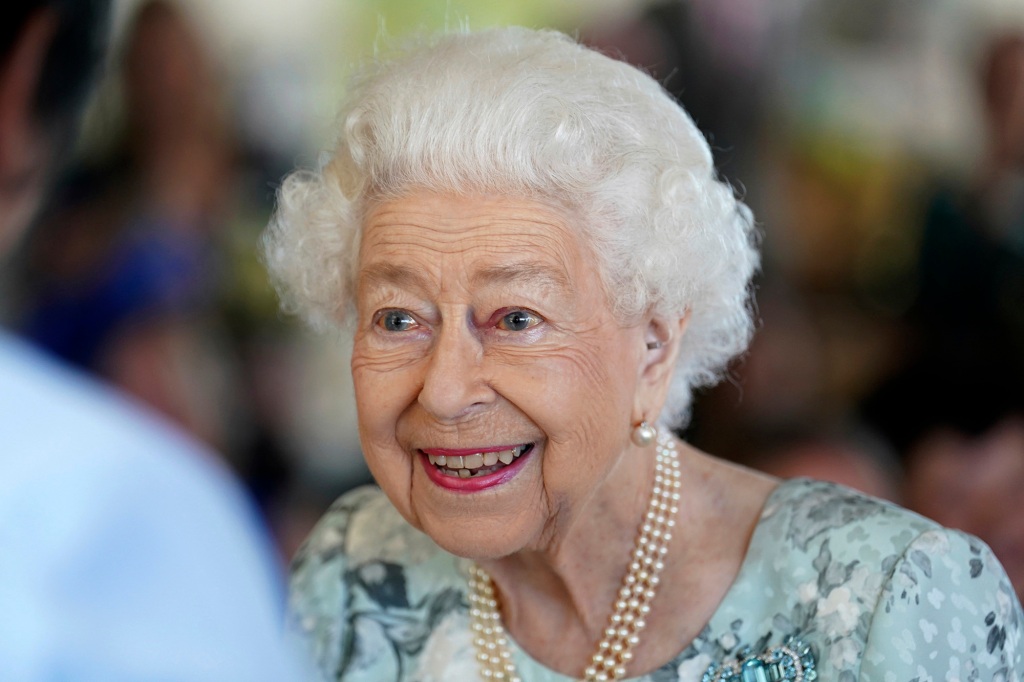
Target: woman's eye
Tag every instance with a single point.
(396, 321)
(518, 320)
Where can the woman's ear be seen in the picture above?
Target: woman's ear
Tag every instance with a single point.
(662, 337)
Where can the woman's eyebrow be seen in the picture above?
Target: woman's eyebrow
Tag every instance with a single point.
(533, 273)
(385, 274)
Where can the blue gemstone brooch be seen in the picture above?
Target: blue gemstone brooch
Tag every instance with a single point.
(792, 661)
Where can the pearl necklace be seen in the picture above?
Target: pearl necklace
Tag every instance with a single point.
(631, 606)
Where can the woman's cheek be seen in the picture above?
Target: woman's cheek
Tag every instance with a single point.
(386, 383)
(382, 359)
(393, 471)
(558, 385)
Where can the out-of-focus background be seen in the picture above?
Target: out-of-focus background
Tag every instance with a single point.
(880, 144)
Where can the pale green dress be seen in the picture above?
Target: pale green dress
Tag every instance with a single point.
(877, 593)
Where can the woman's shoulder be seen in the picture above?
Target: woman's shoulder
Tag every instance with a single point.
(869, 586)
(362, 528)
(803, 515)
(365, 576)
(815, 537)
(831, 535)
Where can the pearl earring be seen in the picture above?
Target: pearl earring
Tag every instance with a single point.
(643, 434)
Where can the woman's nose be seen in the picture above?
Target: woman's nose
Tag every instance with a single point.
(454, 385)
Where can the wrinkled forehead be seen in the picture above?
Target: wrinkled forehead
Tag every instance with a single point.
(488, 239)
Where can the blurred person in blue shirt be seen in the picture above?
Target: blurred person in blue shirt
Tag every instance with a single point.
(126, 552)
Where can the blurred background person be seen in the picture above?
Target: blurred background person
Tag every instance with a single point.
(128, 552)
(133, 274)
(126, 269)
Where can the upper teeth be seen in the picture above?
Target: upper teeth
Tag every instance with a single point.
(477, 460)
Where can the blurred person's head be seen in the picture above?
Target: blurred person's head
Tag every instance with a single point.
(1003, 85)
(973, 481)
(958, 421)
(168, 76)
(49, 52)
(858, 461)
(178, 131)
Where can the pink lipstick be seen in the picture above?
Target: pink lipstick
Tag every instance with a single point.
(470, 470)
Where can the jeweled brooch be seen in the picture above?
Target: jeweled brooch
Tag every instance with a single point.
(792, 661)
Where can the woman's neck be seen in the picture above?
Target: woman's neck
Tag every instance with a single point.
(556, 600)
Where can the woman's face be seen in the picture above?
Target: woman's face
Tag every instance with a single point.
(485, 336)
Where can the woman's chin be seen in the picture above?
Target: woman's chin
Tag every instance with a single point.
(482, 538)
(477, 546)
(482, 535)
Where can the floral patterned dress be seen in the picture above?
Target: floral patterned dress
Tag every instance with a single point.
(871, 592)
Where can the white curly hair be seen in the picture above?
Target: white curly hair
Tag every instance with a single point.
(532, 113)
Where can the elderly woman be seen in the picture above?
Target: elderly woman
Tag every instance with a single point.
(539, 265)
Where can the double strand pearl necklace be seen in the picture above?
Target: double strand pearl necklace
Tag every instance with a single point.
(631, 606)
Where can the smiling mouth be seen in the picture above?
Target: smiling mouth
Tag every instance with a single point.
(477, 464)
